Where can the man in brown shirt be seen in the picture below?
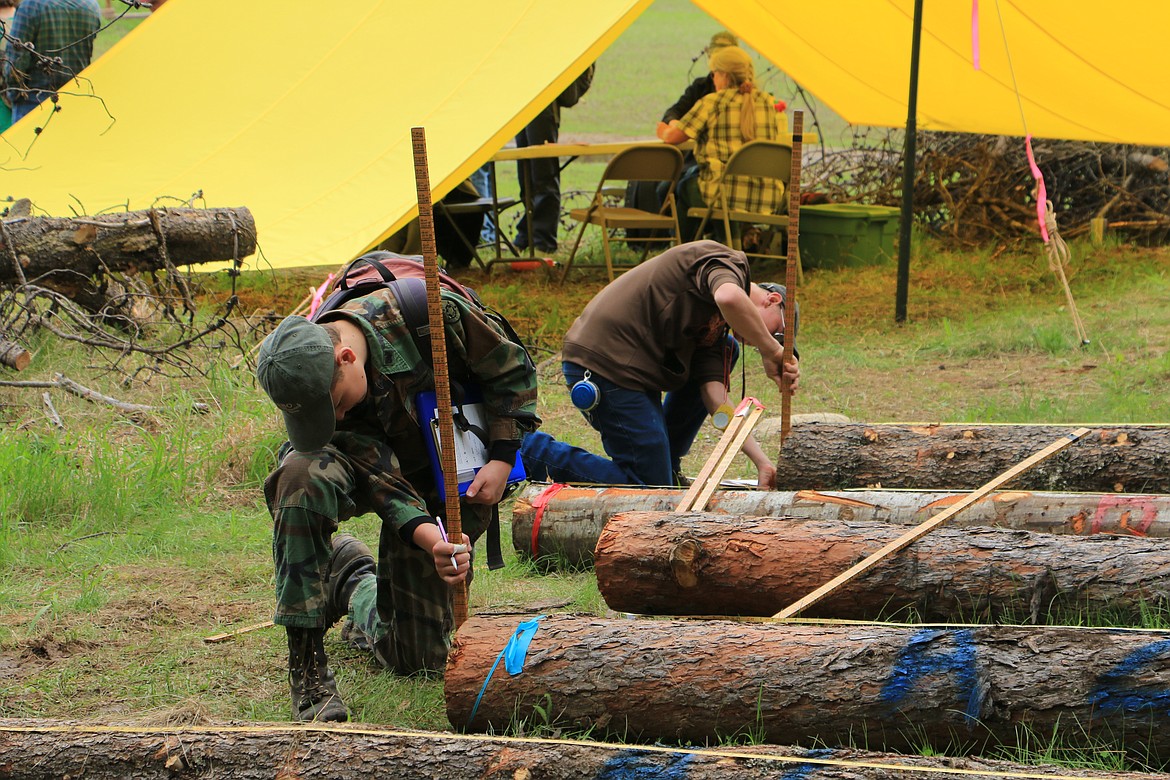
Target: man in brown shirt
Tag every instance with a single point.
(662, 327)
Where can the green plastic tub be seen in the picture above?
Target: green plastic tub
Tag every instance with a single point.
(833, 235)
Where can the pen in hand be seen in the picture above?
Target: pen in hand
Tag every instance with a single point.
(443, 531)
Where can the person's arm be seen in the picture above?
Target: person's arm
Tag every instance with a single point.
(671, 133)
(508, 382)
(452, 561)
(676, 131)
(17, 59)
(744, 318)
(489, 483)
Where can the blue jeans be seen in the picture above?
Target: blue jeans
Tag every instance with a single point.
(645, 435)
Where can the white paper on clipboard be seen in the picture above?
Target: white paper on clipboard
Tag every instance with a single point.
(470, 452)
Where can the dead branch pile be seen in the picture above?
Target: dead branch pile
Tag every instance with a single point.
(974, 189)
(112, 282)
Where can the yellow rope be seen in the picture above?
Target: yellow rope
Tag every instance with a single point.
(392, 733)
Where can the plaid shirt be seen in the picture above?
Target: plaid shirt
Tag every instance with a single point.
(57, 28)
(714, 124)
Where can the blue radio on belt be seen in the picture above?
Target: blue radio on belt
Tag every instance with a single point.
(585, 395)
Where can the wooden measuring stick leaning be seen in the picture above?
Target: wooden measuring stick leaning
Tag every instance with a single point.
(743, 421)
(922, 530)
(426, 220)
(791, 266)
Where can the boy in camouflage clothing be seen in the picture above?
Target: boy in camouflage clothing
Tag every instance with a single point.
(346, 387)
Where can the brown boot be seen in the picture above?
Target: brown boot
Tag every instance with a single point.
(351, 560)
(314, 691)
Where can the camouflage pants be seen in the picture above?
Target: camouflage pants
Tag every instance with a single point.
(308, 495)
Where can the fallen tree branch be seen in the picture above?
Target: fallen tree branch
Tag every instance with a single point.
(81, 391)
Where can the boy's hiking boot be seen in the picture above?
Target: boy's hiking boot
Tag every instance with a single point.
(351, 560)
(314, 691)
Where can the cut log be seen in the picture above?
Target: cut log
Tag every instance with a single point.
(14, 356)
(895, 688)
(1110, 459)
(571, 518)
(703, 564)
(50, 750)
(63, 253)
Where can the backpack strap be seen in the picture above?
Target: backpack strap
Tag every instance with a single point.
(495, 556)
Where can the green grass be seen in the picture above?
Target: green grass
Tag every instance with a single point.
(124, 542)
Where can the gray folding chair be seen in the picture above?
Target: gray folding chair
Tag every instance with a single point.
(656, 162)
(760, 159)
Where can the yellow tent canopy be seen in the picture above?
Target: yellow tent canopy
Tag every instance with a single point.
(306, 121)
(303, 119)
(1070, 69)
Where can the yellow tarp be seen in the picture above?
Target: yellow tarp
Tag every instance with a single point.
(1087, 71)
(305, 119)
(302, 111)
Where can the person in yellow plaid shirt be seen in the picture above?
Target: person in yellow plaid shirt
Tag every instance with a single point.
(720, 123)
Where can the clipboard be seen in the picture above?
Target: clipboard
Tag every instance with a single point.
(471, 452)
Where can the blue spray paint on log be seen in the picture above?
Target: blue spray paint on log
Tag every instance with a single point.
(804, 771)
(921, 657)
(637, 764)
(1116, 690)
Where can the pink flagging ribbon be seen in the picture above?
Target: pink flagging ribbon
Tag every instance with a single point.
(1041, 191)
(975, 34)
(319, 295)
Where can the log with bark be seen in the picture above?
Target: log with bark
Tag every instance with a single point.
(834, 456)
(890, 687)
(64, 253)
(560, 524)
(50, 750)
(14, 356)
(704, 564)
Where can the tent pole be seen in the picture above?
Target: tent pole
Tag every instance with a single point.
(908, 173)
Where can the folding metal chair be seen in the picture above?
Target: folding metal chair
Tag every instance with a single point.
(761, 159)
(655, 162)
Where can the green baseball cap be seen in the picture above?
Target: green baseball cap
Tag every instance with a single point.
(296, 370)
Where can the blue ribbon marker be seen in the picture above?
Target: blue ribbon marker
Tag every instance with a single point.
(514, 654)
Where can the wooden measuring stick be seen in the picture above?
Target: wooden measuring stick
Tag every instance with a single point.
(790, 273)
(426, 221)
(738, 429)
(245, 630)
(922, 530)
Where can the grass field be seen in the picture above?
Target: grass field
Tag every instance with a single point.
(125, 540)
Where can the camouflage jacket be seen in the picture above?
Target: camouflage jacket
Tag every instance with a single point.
(478, 354)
